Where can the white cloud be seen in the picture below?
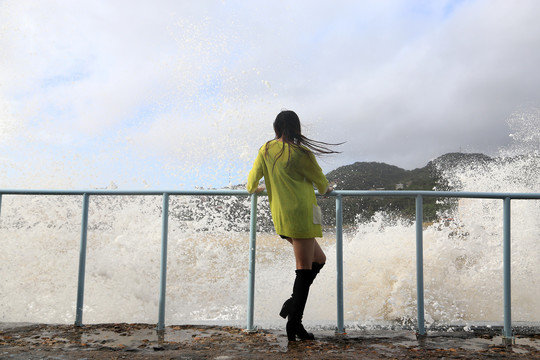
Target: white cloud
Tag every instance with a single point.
(400, 81)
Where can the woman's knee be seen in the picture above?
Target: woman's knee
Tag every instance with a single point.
(319, 256)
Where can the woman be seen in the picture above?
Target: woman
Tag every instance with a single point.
(290, 170)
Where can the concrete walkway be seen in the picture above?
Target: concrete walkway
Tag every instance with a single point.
(142, 341)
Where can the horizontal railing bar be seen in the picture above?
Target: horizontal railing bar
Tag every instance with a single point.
(123, 192)
(380, 193)
(453, 194)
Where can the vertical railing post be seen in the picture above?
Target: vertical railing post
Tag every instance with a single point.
(251, 271)
(420, 264)
(163, 266)
(82, 262)
(339, 264)
(507, 281)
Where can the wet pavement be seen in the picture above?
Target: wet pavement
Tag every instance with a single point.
(142, 341)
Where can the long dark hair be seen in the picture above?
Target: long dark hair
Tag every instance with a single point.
(287, 128)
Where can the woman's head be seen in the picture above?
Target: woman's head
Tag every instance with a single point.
(287, 126)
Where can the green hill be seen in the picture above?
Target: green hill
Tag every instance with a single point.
(381, 176)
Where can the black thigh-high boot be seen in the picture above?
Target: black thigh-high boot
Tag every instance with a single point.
(286, 308)
(301, 286)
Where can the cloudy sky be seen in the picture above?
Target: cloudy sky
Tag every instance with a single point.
(177, 94)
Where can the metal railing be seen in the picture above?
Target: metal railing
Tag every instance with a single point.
(338, 194)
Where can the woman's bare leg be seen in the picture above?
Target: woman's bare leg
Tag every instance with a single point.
(304, 250)
(318, 253)
(309, 260)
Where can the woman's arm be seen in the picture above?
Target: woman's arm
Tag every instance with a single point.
(255, 175)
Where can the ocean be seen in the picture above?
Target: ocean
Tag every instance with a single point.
(208, 260)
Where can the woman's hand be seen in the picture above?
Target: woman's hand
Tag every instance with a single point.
(329, 190)
(260, 189)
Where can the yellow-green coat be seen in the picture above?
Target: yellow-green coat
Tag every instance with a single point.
(289, 183)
